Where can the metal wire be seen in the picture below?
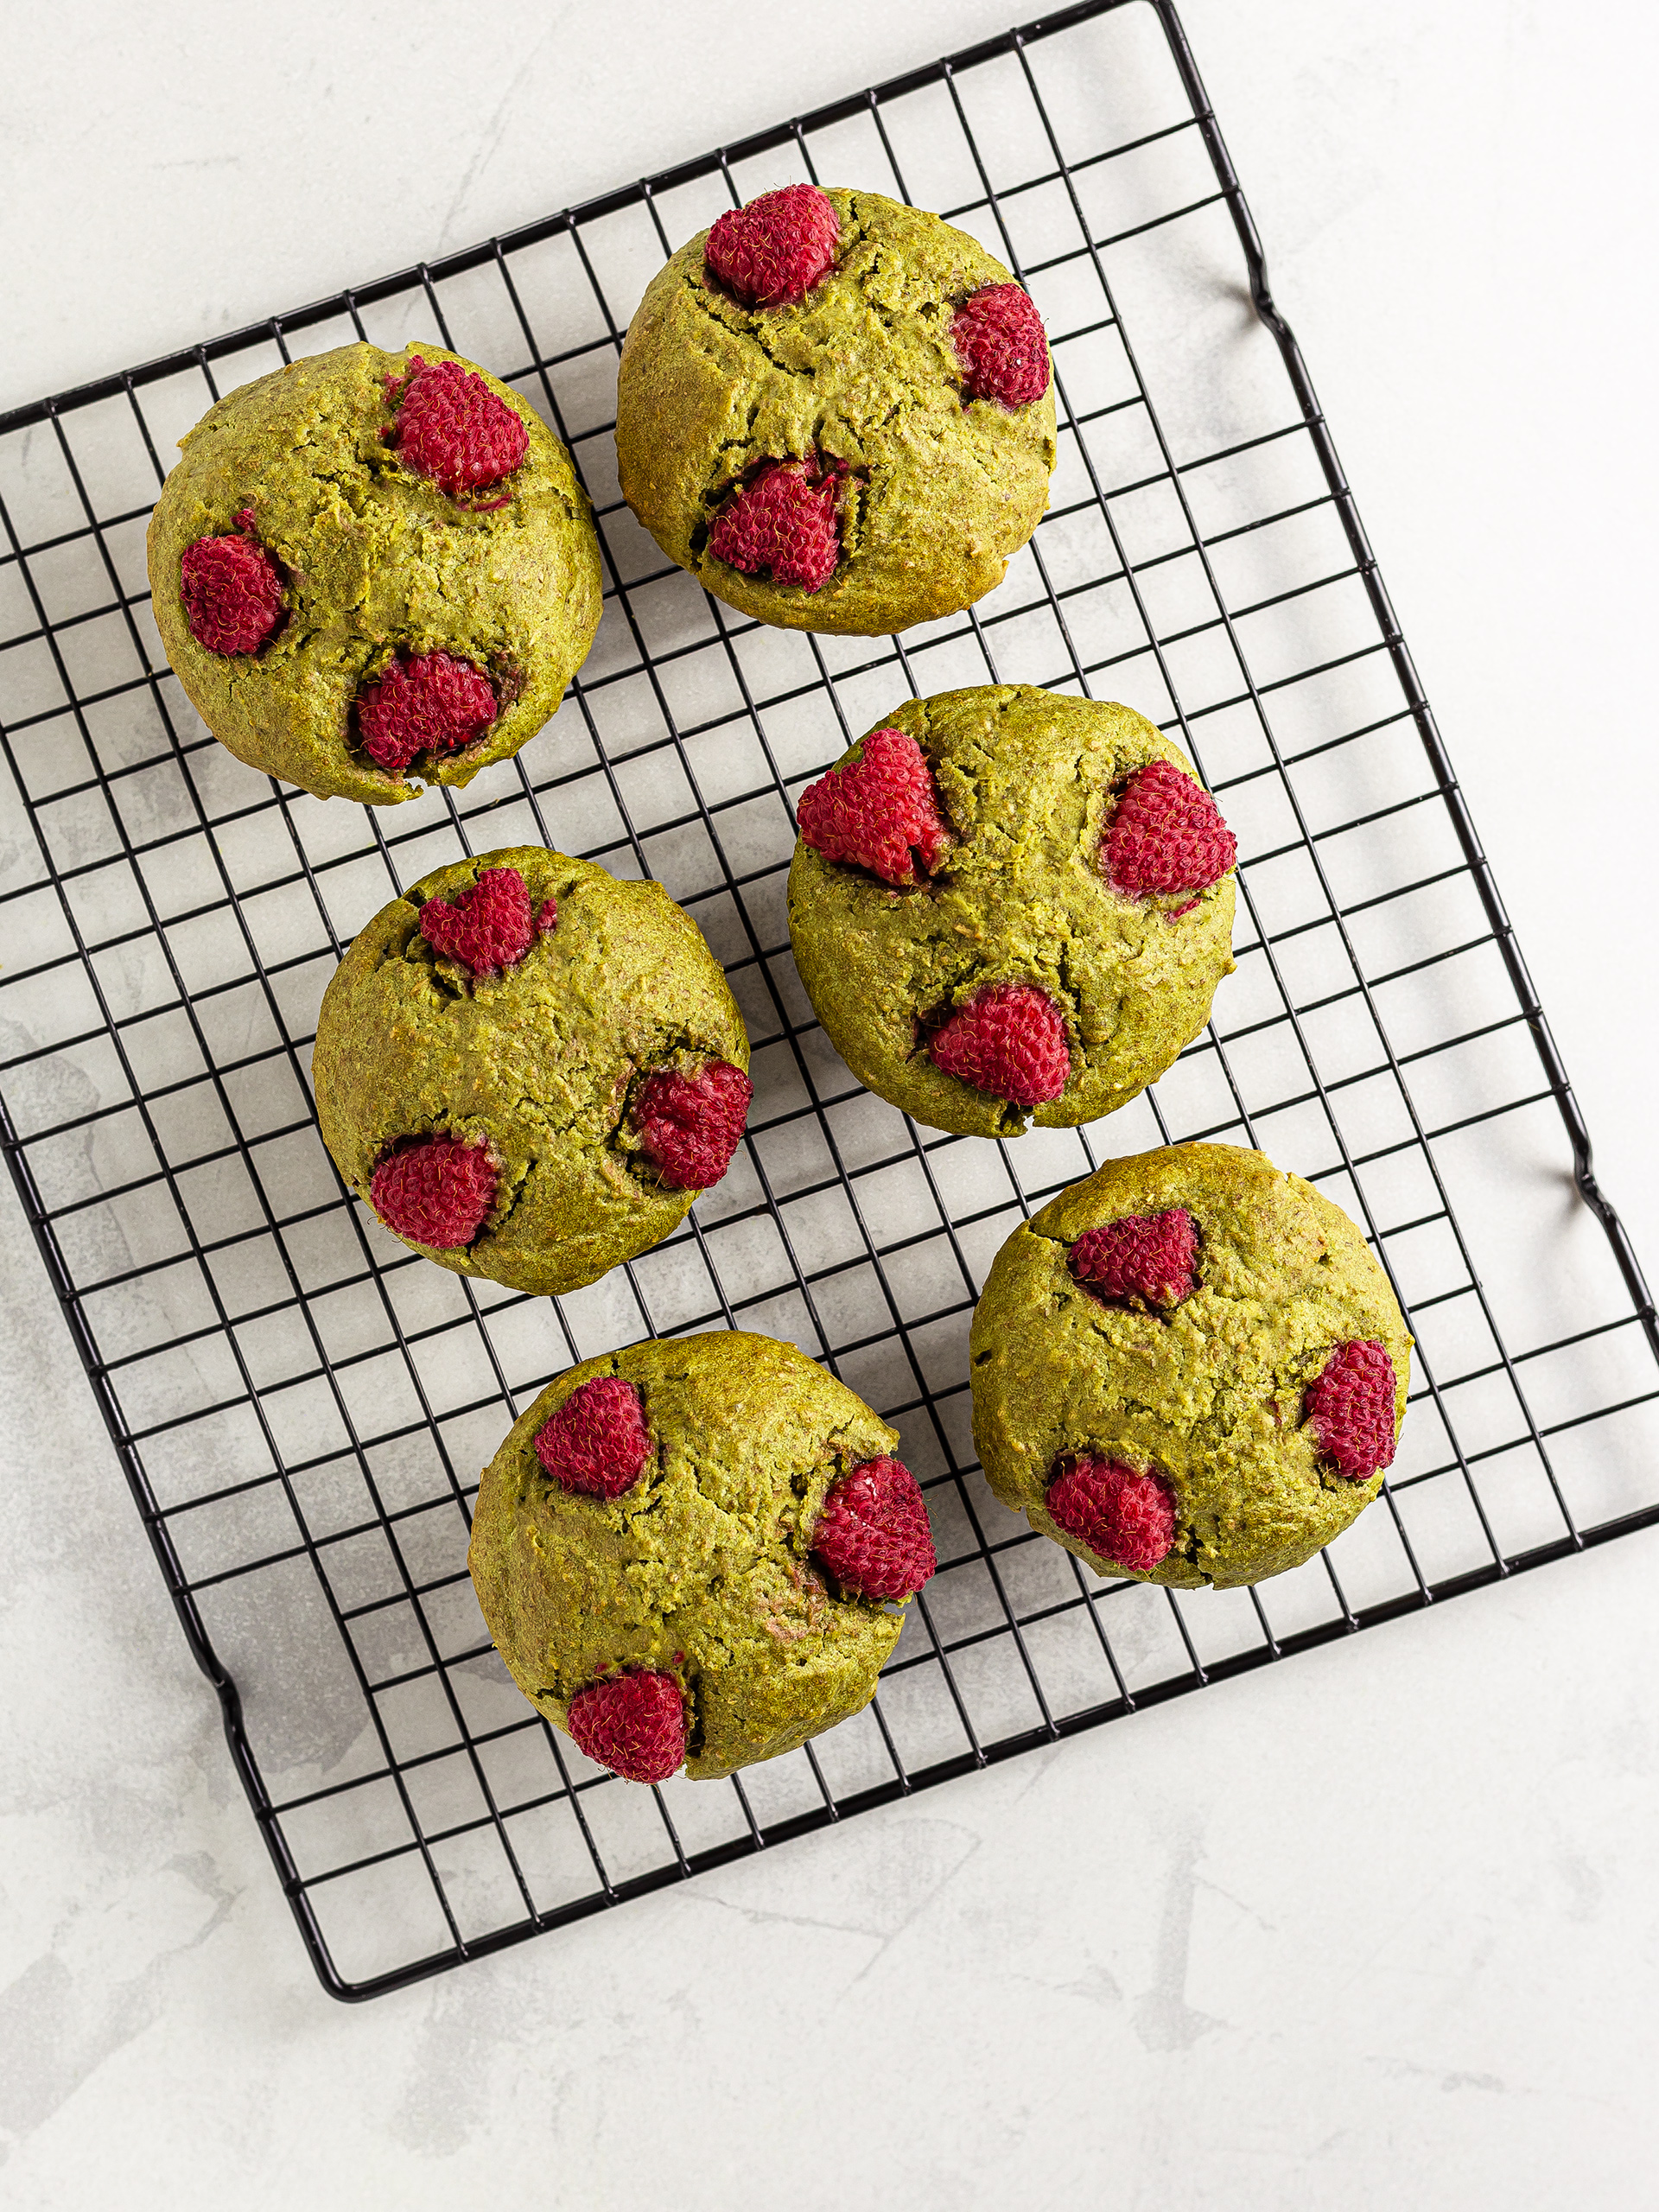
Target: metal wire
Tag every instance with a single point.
(299, 1405)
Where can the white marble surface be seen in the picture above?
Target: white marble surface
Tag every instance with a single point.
(1377, 1928)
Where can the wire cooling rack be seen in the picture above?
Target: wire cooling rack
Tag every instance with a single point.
(301, 1407)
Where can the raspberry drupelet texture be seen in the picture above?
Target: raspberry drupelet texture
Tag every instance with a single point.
(880, 812)
(597, 1442)
(771, 253)
(492, 926)
(873, 1534)
(1009, 1040)
(439, 1191)
(781, 524)
(451, 427)
(233, 591)
(429, 704)
(1000, 342)
(1350, 1407)
(1152, 1257)
(633, 1724)
(689, 1125)
(1123, 1516)
(1166, 835)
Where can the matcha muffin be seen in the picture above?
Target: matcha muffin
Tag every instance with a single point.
(529, 1069)
(1189, 1369)
(695, 1551)
(1008, 905)
(836, 411)
(370, 569)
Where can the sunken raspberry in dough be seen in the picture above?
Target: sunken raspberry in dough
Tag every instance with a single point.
(1010, 907)
(697, 1550)
(836, 411)
(1188, 1368)
(374, 571)
(528, 1069)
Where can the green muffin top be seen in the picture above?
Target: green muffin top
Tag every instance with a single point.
(1188, 1367)
(529, 1068)
(829, 450)
(669, 1549)
(1007, 905)
(369, 569)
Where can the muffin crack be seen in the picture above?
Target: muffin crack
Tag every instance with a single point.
(747, 332)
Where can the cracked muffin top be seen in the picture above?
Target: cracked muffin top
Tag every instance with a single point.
(694, 1551)
(837, 412)
(1009, 905)
(1189, 1369)
(372, 570)
(529, 1069)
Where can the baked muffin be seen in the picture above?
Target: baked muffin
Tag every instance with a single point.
(372, 570)
(1188, 1369)
(697, 1550)
(1009, 905)
(529, 1069)
(836, 411)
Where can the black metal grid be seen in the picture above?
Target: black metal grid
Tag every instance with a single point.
(299, 1404)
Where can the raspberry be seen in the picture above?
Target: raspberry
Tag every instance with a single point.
(1124, 1517)
(633, 1724)
(597, 1442)
(998, 336)
(770, 253)
(233, 591)
(1151, 1257)
(451, 427)
(492, 926)
(431, 703)
(438, 1190)
(781, 524)
(1008, 1040)
(876, 809)
(689, 1124)
(1166, 835)
(873, 1534)
(1350, 1405)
